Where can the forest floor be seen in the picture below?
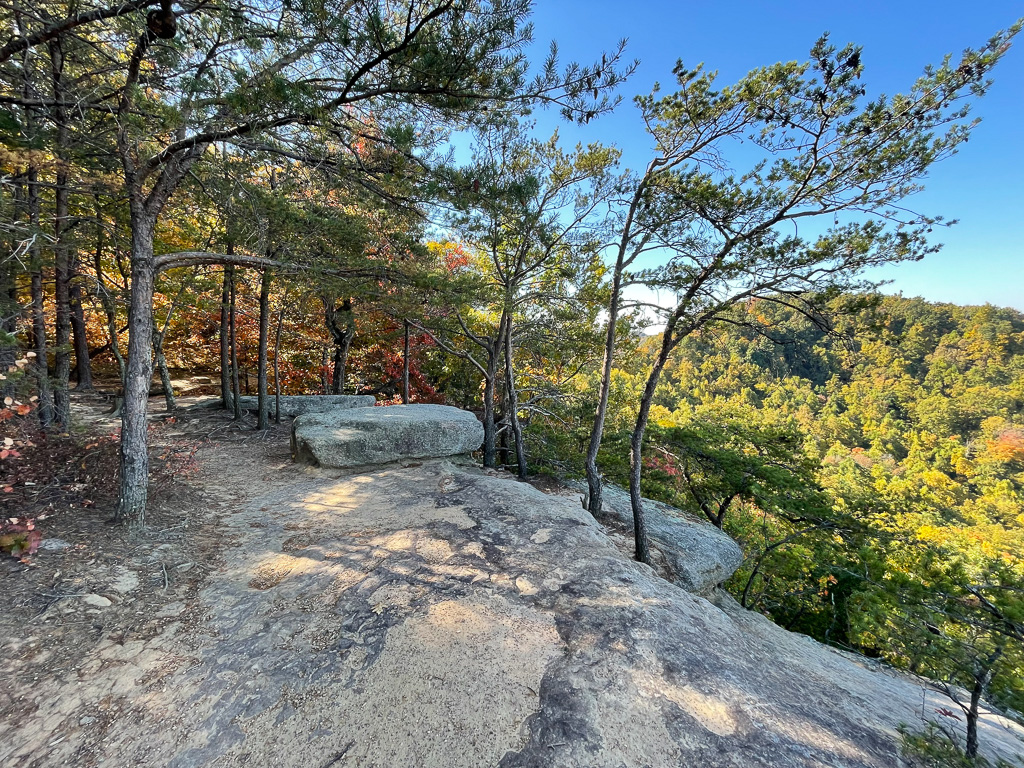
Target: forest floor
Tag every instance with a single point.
(425, 614)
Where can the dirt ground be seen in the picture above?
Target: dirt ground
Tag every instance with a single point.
(93, 583)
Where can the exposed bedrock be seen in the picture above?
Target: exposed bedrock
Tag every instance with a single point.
(687, 551)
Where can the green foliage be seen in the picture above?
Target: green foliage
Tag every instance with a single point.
(19, 537)
(935, 747)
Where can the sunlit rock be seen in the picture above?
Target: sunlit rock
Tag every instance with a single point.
(361, 436)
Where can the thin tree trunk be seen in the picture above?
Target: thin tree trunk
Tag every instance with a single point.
(62, 255)
(624, 257)
(503, 450)
(405, 365)
(341, 364)
(165, 375)
(594, 484)
(134, 453)
(490, 454)
(83, 364)
(340, 322)
(277, 369)
(261, 375)
(10, 311)
(38, 314)
(971, 748)
(225, 347)
(325, 376)
(512, 404)
(338, 372)
(236, 405)
(982, 678)
(636, 450)
(108, 302)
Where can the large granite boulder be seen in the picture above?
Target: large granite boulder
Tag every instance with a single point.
(361, 436)
(687, 551)
(296, 405)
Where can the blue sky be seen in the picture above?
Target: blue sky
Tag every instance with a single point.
(983, 186)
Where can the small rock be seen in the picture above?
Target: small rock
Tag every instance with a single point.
(99, 601)
(525, 586)
(125, 582)
(542, 536)
(85, 720)
(169, 610)
(54, 545)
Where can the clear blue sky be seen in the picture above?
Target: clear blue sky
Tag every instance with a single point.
(983, 186)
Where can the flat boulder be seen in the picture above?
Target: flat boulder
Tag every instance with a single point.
(362, 436)
(689, 552)
(296, 405)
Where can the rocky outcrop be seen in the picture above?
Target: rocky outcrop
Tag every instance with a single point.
(444, 616)
(296, 405)
(358, 437)
(687, 551)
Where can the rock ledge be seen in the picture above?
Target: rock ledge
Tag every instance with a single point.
(691, 553)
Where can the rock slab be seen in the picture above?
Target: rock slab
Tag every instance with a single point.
(296, 405)
(691, 553)
(363, 436)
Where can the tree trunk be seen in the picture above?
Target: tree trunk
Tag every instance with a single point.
(405, 365)
(165, 375)
(636, 450)
(62, 326)
(512, 404)
(236, 406)
(325, 368)
(261, 375)
(982, 678)
(62, 251)
(10, 310)
(115, 344)
(134, 454)
(277, 369)
(225, 349)
(41, 366)
(490, 454)
(83, 364)
(971, 749)
(340, 322)
(340, 364)
(504, 458)
(109, 304)
(594, 483)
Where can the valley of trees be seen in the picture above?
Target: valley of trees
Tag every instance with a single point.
(265, 194)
